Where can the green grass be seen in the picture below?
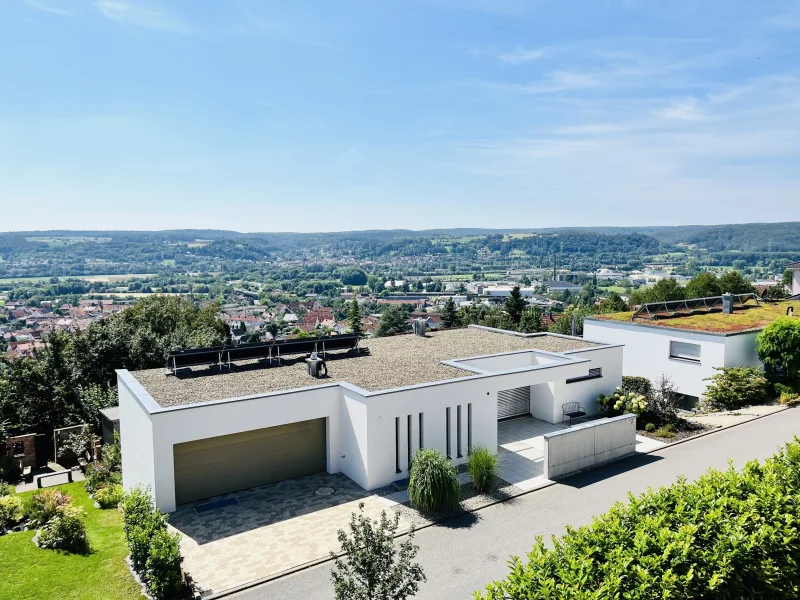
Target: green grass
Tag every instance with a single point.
(30, 573)
(613, 288)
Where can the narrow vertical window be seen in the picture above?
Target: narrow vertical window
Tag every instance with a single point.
(469, 428)
(397, 445)
(408, 442)
(447, 417)
(458, 431)
(421, 428)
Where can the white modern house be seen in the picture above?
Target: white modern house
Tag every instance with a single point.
(795, 266)
(686, 345)
(211, 430)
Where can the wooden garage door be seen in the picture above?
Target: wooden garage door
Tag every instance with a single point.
(229, 463)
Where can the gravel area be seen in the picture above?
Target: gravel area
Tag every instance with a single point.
(685, 429)
(391, 362)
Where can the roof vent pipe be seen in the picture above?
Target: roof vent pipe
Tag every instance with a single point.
(419, 326)
(727, 303)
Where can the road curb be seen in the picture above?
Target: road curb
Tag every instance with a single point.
(320, 561)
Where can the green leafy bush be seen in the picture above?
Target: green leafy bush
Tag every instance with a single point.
(482, 467)
(10, 510)
(781, 389)
(6, 489)
(100, 475)
(667, 431)
(789, 399)
(66, 531)
(650, 427)
(734, 387)
(621, 404)
(778, 347)
(433, 482)
(163, 572)
(109, 497)
(44, 505)
(640, 386)
(729, 535)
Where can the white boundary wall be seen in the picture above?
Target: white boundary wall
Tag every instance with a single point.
(589, 445)
(362, 428)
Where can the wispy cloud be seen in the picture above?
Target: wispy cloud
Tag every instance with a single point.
(48, 8)
(520, 56)
(139, 15)
(686, 109)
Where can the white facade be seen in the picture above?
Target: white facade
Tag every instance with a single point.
(796, 282)
(367, 433)
(650, 351)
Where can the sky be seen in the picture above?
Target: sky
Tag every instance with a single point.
(378, 114)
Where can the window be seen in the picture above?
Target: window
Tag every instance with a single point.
(458, 431)
(409, 442)
(469, 428)
(421, 438)
(593, 374)
(447, 417)
(684, 351)
(397, 445)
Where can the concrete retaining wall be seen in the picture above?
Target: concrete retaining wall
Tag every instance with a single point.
(588, 445)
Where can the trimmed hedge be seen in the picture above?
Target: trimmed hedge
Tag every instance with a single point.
(731, 534)
(155, 553)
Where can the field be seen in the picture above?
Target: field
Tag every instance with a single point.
(31, 573)
(66, 240)
(93, 278)
(613, 288)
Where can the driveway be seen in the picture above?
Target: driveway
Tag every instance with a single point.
(462, 555)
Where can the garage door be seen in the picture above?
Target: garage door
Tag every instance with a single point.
(229, 463)
(513, 403)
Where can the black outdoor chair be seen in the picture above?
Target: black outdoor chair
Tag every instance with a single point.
(572, 410)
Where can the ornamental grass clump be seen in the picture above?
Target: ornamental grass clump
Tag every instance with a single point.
(433, 482)
(482, 467)
(730, 534)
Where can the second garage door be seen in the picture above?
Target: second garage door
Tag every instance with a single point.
(229, 463)
(514, 403)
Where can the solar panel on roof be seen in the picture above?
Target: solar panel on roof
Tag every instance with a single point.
(693, 306)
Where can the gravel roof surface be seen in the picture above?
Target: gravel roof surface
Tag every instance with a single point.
(392, 362)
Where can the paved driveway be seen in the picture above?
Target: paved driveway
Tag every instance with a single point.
(272, 528)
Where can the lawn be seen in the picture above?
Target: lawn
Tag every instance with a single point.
(30, 573)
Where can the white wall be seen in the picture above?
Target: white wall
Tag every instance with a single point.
(586, 392)
(740, 350)
(136, 438)
(647, 351)
(588, 445)
(796, 282)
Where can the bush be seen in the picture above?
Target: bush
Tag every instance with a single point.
(163, 572)
(621, 404)
(789, 399)
(66, 531)
(482, 467)
(10, 510)
(728, 535)
(6, 489)
(662, 404)
(45, 505)
(781, 389)
(640, 386)
(109, 497)
(733, 387)
(650, 427)
(9, 468)
(668, 432)
(433, 482)
(778, 347)
(100, 475)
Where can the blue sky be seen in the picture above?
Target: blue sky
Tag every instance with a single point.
(318, 116)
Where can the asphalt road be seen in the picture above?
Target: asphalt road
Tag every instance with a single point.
(462, 555)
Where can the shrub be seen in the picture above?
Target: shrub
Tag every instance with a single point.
(733, 387)
(778, 347)
(789, 399)
(730, 534)
(44, 505)
(100, 475)
(163, 566)
(66, 531)
(621, 404)
(433, 482)
(6, 489)
(650, 427)
(112, 455)
(10, 510)
(109, 497)
(372, 565)
(9, 468)
(482, 467)
(781, 389)
(665, 432)
(662, 404)
(76, 445)
(639, 386)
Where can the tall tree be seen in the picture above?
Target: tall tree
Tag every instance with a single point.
(531, 320)
(704, 285)
(613, 303)
(514, 305)
(732, 282)
(354, 317)
(449, 313)
(393, 320)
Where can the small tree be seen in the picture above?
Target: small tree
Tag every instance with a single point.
(449, 314)
(531, 320)
(354, 317)
(733, 387)
(373, 568)
(663, 403)
(393, 320)
(732, 282)
(514, 305)
(778, 347)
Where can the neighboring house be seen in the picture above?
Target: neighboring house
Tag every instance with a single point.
(686, 347)
(190, 438)
(795, 266)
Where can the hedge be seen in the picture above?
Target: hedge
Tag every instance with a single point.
(731, 534)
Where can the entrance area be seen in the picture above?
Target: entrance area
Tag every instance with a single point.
(228, 463)
(520, 448)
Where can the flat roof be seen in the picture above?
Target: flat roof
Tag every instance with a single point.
(392, 362)
(740, 321)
